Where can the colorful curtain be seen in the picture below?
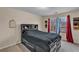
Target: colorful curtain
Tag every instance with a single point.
(58, 25)
(68, 30)
(48, 24)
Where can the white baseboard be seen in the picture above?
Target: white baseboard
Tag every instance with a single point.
(12, 44)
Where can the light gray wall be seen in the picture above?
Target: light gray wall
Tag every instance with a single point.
(11, 36)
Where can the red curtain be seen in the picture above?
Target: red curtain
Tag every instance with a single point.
(48, 24)
(68, 30)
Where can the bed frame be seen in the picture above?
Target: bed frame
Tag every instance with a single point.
(28, 45)
(28, 27)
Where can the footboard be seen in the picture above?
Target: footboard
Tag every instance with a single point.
(55, 46)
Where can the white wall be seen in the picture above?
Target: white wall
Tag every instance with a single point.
(43, 24)
(75, 33)
(11, 36)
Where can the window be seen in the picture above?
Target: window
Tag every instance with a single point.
(63, 24)
(53, 24)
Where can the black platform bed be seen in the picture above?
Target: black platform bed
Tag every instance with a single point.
(38, 41)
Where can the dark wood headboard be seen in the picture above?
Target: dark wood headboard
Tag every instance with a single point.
(29, 27)
(25, 27)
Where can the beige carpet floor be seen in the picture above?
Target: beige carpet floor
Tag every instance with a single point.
(65, 47)
(68, 47)
(16, 48)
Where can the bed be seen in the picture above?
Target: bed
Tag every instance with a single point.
(38, 41)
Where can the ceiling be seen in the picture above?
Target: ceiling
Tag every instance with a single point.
(46, 11)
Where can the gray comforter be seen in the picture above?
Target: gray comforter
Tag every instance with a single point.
(50, 37)
(40, 39)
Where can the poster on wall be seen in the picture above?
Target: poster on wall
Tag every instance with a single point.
(76, 23)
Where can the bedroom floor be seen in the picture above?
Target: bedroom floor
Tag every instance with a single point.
(16, 48)
(68, 47)
(65, 47)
